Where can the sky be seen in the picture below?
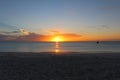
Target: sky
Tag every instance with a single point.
(85, 20)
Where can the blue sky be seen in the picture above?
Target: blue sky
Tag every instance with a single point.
(84, 17)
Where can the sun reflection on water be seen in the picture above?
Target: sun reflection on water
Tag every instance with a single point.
(57, 50)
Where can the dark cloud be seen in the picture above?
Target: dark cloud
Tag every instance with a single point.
(16, 32)
(20, 35)
(31, 37)
(7, 37)
(12, 32)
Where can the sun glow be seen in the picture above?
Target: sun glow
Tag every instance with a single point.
(57, 39)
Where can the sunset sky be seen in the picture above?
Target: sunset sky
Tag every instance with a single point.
(66, 20)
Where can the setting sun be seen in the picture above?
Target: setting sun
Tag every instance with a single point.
(57, 39)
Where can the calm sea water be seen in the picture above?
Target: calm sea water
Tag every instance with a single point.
(59, 47)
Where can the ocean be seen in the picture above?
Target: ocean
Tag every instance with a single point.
(59, 47)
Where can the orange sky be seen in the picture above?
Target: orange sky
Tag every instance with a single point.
(66, 37)
(57, 36)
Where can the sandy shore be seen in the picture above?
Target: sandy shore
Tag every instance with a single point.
(62, 66)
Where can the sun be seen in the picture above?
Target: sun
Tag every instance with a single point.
(57, 39)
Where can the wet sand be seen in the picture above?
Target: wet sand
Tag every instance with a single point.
(59, 66)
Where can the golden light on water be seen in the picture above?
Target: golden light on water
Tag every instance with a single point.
(57, 50)
(57, 45)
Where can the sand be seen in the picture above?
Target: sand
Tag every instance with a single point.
(59, 66)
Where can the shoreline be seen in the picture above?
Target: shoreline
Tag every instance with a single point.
(38, 54)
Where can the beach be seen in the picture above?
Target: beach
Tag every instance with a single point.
(59, 66)
(59, 39)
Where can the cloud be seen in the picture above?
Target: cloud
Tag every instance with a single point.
(11, 36)
(7, 37)
(70, 34)
(71, 37)
(17, 36)
(10, 33)
(25, 31)
(16, 32)
(30, 36)
(38, 37)
(7, 25)
(55, 32)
